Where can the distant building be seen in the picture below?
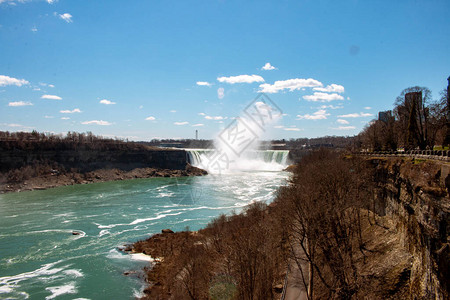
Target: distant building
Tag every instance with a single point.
(384, 116)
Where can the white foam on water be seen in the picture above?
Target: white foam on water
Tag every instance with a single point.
(103, 232)
(48, 272)
(61, 290)
(109, 226)
(141, 257)
(161, 216)
(74, 273)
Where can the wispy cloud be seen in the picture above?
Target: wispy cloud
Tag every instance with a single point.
(292, 129)
(290, 84)
(241, 79)
(268, 67)
(76, 110)
(322, 97)
(97, 122)
(181, 123)
(331, 106)
(107, 102)
(6, 80)
(66, 17)
(345, 128)
(321, 114)
(332, 88)
(367, 107)
(204, 83)
(51, 1)
(214, 118)
(34, 29)
(65, 118)
(198, 125)
(342, 121)
(356, 115)
(14, 125)
(173, 111)
(151, 118)
(51, 97)
(220, 93)
(20, 103)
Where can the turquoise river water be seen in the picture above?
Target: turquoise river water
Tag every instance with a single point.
(40, 258)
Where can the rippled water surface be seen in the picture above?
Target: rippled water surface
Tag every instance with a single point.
(41, 258)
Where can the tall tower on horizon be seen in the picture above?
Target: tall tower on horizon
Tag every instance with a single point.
(196, 132)
(447, 134)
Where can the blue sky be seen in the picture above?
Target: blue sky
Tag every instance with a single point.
(163, 69)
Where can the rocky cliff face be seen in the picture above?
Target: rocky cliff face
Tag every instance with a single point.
(89, 160)
(416, 196)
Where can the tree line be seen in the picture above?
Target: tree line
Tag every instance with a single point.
(417, 121)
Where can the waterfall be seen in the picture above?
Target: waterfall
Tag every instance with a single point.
(252, 160)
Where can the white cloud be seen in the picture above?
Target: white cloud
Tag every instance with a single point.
(204, 83)
(214, 118)
(356, 115)
(34, 29)
(76, 110)
(332, 88)
(51, 85)
(322, 97)
(6, 80)
(367, 107)
(292, 129)
(107, 102)
(173, 111)
(290, 84)
(268, 67)
(278, 126)
(51, 97)
(331, 107)
(321, 114)
(151, 118)
(66, 17)
(220, 93)
(65, 118)
(48, 117)
(181, 123)
(36, 89)
(198, 125)
(97, 122)
(342, 121)
(51, 1)
(19, 103)
(201, 114)
(345, 128)
(241, 79)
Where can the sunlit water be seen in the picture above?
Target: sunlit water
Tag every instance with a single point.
(40, 258)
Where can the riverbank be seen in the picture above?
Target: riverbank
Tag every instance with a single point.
(367, 228)
(54, 178)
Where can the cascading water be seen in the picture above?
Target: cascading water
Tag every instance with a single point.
(235, 147)
(252, 160)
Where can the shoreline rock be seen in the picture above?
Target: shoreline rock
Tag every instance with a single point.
(48, 181)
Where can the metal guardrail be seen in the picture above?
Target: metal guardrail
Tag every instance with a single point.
(442, 155)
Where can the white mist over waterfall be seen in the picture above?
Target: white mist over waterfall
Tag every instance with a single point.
(236, 148)
(251, 160)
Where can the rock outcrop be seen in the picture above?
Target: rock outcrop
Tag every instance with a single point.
(414, 194)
